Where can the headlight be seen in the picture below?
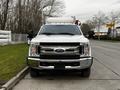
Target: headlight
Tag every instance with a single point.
(33, 51)
(85, 49)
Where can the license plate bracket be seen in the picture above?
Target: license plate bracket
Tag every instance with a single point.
(59, 67)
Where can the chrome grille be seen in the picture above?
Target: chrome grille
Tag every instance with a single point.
(60, 51)
(54, 50)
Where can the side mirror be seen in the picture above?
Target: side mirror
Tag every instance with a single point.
(30, 36)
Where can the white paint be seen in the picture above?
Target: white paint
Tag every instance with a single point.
(59, 38)
(60, 20)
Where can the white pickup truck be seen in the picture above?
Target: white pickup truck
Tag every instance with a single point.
(60, 45)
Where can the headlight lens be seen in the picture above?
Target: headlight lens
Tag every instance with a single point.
(86, 50)
(34, 50)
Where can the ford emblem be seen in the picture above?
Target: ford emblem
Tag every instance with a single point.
(59, 50)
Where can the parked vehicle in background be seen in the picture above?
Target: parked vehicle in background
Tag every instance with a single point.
(60, 45)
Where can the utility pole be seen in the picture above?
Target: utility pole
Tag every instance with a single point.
(99, 23)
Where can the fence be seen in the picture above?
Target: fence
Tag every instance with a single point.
(19, 37)
(5, 36)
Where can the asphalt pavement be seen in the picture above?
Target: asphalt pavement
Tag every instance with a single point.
(105, 74)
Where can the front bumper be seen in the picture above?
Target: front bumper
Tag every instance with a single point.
(35, 63)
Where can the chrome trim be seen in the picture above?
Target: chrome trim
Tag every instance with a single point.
(66, 67)
(46, 67)
(65, 47)
(84, 63)
(63, 60)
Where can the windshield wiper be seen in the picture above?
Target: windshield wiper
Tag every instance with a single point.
(57, 33)
(47, 33)
(67, 33)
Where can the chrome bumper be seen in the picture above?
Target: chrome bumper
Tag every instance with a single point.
(84, 63)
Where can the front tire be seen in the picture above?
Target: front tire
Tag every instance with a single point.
(86, 72)
(34, 73)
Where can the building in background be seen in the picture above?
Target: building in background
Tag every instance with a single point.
(118, 29)
(104, 29)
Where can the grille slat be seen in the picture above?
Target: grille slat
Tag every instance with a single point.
(59, 44)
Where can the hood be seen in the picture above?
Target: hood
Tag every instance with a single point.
(59, 38)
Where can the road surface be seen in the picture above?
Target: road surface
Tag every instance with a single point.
(105, 73)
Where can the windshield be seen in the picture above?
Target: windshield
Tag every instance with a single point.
(60, 30)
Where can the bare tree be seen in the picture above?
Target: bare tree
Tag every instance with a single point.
(4, 4)
(21, 16)
(114, 17)
(57, 7)
(98, 20)
(91, 24)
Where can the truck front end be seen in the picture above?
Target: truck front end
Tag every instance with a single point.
(60, 47)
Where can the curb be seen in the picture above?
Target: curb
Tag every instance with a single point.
(12, 82)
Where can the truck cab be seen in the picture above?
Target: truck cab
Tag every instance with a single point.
(60, 45)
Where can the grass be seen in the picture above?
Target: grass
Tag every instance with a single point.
(12, 60)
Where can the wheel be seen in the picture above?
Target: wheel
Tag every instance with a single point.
(86, 72)
(34, 73)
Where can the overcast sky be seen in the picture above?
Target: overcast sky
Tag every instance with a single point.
(85, 9)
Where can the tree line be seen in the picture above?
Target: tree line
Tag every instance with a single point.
(100, 19)
(21, 16)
